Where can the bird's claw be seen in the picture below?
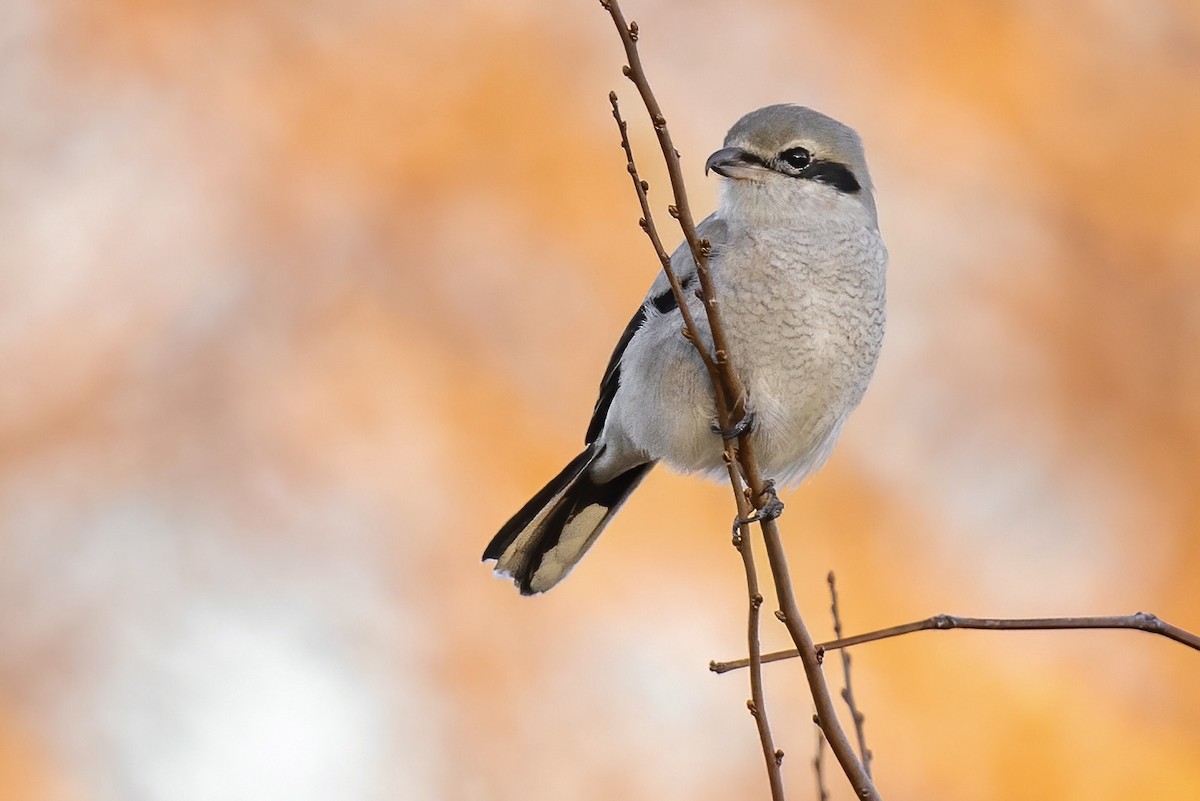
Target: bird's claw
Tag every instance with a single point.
(771, 508)
(743, 426)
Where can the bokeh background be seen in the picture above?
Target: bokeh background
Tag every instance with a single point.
(300, 300)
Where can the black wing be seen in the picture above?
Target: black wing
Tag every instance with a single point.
(663, 303)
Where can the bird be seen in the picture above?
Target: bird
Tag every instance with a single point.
(798, 266)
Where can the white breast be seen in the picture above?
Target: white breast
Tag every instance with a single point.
(805, 317)
(804, 313)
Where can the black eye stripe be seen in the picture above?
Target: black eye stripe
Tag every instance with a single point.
(832, 173)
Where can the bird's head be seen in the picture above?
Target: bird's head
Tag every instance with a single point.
(789, 160)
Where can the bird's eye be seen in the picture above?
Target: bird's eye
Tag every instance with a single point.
(797, 158)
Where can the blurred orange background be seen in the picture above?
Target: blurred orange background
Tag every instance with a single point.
(301, 300)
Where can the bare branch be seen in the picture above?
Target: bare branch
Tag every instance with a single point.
(647, 224)
(730, 385)
(810, 656)
(1140, 621)
(772, 755)
(730, 399)
(818, 764)
(741, 540)
(848, 689)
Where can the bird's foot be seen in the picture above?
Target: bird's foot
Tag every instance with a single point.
(770, 509)
(743, 426)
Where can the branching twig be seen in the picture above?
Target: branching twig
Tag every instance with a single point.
(810, 657)
(1141, 621)
(757, 703)
(848, 689)
(730, 399)
(730, 385)
(647, 224)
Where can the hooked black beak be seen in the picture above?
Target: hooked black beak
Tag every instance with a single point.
(733, 162)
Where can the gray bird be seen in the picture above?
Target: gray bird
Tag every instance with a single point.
(798, 266)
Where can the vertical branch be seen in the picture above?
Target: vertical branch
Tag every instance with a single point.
(646, 223)
(789, 613)
(729, 396)
(730, 384)
(848, 690)
(818, 764)
(741, 537)
(757, 703)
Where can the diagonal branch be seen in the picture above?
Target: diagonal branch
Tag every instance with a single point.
(730, 398)
(810, 657)
(741, 539)
(1139, 621)
(647, 224)
(730, 384)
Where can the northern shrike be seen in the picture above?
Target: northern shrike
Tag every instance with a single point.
(798, 267)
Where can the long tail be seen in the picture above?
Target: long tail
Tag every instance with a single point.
(543, 541)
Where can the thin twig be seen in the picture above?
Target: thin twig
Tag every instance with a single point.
(647, 224)
(730, 398)
(730, 384)
(1140, 621)
(848, 690)
(810, 657)
(758, 708)
(757, 703)
(818, 764)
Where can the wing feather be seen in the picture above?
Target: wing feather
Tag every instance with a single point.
(662, 301)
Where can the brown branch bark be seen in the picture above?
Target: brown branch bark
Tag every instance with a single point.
(818, 763)
(730, 385)
(646, 222)
(730, 398)
(757, 703)
(848, 688)
(1139, 621)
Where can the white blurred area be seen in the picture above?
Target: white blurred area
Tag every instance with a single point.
(163, 654)
(299, 301)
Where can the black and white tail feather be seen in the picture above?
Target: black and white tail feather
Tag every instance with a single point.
(540, 544)
(551, 533)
